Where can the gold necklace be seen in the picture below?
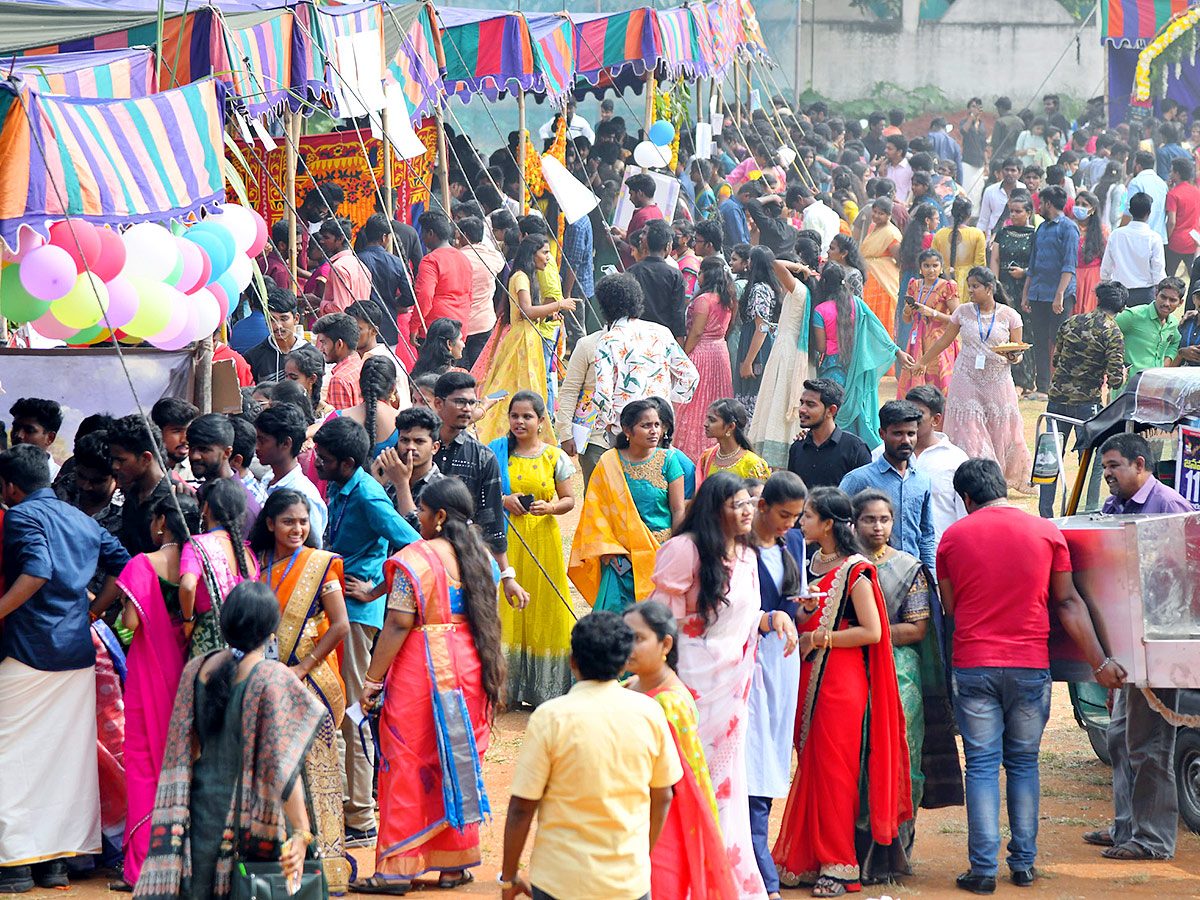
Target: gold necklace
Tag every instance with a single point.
(880, 555)
(823, 557)
(723, 458)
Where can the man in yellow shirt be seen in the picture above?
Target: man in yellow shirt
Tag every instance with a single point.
(597, 766)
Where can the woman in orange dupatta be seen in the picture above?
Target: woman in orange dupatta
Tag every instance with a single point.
(689, 860)
(313, 623)
(881, 252)
(441, 672)
(848, 676)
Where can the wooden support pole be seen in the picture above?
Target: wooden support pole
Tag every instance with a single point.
(204, 359)
(291, 124)
(522, 144)
(443, 159)
(386, 147)
(649, 103)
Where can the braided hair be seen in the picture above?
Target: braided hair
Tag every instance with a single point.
(960, 211)
(226, 502)
(733, 412)
(376, 381)
(311, 364)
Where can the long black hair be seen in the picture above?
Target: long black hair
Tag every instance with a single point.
(293, 392)
(715, 278)
(249, 616)
(834, 287)
(434, 355)
(659, 619)
(987, 278)
(733, 412)
(376, 381)
(913, 241)
(960, 211)
(534, 399)
(182, 513)
(761, 271)
(226, 501)
(854, 259)
(1112, 175)
(782, 487)
(451, 496)
(262, 538)
(830, 503)
(527, 251)
(311, 363)
(1093, 241)
(703, 522)
(630, 414)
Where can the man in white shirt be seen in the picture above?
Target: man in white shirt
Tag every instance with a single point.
(995, 196)
(281, 434)
(814, 214)
(895, 166)
(577, 126)
(939, 459)
(1134, 255)
(1146, 181)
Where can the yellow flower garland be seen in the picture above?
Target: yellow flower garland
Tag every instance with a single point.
(1175, 29)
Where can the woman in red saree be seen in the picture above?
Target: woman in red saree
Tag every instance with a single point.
(848, 675)
(149, 584)
(689, 859)
(441, 671)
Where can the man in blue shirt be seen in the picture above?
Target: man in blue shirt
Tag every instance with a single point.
(1168, 150)
(946, 147)
(1146, 181)
(894, 473)
(1049, 294)
(51, 795)
(362, 526)
(733, 213)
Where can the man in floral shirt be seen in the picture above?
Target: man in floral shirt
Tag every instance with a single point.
(635, 358)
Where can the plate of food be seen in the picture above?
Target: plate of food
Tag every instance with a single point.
(1011, 347)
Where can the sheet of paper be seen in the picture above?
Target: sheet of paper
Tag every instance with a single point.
(580, 434)
(717, 121)
(399, 126)
(755, 102)
(243, 128)
(704, 136)
(360, 65)
(260, 129)
(355, 714)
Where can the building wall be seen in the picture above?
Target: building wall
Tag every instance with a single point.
(983, 47)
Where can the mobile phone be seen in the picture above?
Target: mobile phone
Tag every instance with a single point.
(497, 395)
(526, 500)
(608, 270)
(910, 300)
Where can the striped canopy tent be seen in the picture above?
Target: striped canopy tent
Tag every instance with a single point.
(154, 158)
(680, 41)
(714, 66)
(615, 50)
(337, 25)
(553, 39)
(487, 53)
(111, 74)
(254, 54)
(1134, 23)
(751, 37)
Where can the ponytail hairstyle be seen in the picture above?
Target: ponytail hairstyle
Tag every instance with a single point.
(534, 399)
(630, 414)
(761, 271)
(523, 261)
(834, 287)
(434, 355)
(913, 241)
(854, 258)
(182, 513)
(716, 279)
(783, 487)
(829, 503)
(960, 211)
(294, 393)
(1112, 175)
(703, 523)
(1093, 241)
(451, 496)
(733, 412)
(659, 619)
(987, 278)
(226, 502)
(311, 363)
(666, 415)
(249, 617)
(376, 381)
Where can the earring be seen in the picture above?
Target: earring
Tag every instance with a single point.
(159, 532)
(438, 529)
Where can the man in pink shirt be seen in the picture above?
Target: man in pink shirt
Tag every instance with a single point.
(760, 160)
(486, 263)
(349, 280)
(641, 195)
(445, 278)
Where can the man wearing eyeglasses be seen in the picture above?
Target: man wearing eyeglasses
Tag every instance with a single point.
(454, 400)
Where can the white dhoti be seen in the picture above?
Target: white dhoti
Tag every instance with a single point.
(973, 178)
(49, 783)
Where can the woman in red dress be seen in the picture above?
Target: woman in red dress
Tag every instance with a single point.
(848, 672)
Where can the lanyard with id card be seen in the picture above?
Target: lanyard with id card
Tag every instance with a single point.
(981, 357)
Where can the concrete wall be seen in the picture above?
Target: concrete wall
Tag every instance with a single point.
(984, 47)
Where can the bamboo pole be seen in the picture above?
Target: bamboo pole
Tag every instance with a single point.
(649, 120)
(204, 360)
(292, 125)
(386, 146)
(522, 143)
(443, 159)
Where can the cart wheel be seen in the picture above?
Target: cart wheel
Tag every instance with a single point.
(1187, 776)
(1098, 736)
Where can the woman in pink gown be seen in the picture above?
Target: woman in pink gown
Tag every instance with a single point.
(708, 318)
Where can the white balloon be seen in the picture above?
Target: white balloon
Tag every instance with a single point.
(150, 250)
(242, 271)
(648, 156)
(208, 312)
(787, 156)
(240, 223)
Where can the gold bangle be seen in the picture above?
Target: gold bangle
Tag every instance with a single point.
(306, 836)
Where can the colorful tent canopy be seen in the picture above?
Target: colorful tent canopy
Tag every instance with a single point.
(410, 46)
(255, 55)
(486, 53)
(615, 49)
(681, 54)
(553, 39)
(114, 74)
(109, 161)
(1134, 23)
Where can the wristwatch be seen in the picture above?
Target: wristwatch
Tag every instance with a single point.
(507, 884)
(510, 572)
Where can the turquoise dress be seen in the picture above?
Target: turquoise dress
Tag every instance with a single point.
(647, 483)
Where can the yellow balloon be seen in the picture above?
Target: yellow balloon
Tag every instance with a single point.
(84, 305)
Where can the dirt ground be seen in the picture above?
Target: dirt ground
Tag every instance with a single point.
(1076, 797)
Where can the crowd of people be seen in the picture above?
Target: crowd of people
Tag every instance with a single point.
(286, 632)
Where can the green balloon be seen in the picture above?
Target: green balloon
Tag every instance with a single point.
(177, 272)
(154, 308)
(16, 303)
(86, 336)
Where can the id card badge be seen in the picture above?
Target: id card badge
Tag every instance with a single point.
(980, 360)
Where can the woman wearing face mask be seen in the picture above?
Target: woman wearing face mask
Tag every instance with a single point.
(1093, 235)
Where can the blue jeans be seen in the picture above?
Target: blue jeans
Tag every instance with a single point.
(1001, 714)
(760, 815)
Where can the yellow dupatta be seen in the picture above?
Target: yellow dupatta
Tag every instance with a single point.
(880, 264)
(610, 525)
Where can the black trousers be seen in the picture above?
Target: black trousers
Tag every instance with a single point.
(1044, 322)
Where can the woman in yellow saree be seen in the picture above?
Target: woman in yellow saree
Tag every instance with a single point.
(309, 586)
(881, 252)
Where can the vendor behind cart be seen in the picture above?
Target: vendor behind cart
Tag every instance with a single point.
(1140, 741)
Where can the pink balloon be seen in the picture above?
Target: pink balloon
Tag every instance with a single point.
(80, 239)
(207, 311)
(261, 235)
(27, 239)
(176, 324)
(193, 266)
(48, 326)
(222, 299)
(122, 302)
(186, 335)
(112, 255)
(48, 272)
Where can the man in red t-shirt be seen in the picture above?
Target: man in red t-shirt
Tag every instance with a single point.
(999, 570)
(445, 278)
(1183, 215)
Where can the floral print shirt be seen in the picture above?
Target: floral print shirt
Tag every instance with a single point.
(636, 359)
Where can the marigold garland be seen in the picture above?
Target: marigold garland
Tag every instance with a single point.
(533, 169)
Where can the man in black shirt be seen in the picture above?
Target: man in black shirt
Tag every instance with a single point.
(135, 446)
(663, 288)
(873, 140)
(824, 455)
(266, 359)
(391, 285)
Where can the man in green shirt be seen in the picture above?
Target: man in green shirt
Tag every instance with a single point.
(1151, 332)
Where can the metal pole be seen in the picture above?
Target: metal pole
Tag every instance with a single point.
(522, 143)
(386, 146)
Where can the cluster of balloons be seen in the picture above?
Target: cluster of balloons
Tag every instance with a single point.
(655, 152)
(88, 284)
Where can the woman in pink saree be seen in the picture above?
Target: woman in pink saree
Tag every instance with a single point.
(149, 584)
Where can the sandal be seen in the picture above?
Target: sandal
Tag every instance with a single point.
(1129, 850)
(377, 884)
(828, 887)
(464, 877)
(120, 886)
(1101, 837)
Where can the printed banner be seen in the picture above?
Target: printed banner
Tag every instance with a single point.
(1187, 465)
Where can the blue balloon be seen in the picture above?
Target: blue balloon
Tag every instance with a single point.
(661, 133)
(231, 291)
(218, 235)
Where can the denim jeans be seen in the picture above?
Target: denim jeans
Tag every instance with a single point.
(760, 815)
(1001, 714)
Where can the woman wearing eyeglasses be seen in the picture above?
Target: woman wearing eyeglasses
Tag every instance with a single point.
(708, 575)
